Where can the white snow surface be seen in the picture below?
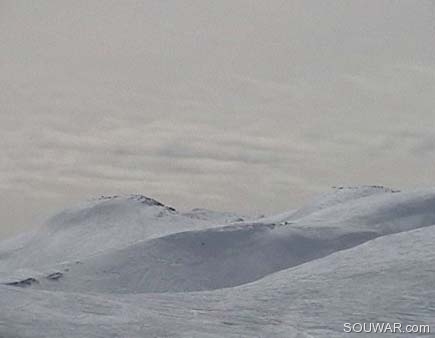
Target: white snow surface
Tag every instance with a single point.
(100, 225)
(129, 266)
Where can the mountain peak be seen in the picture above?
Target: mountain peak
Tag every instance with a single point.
(134, 197)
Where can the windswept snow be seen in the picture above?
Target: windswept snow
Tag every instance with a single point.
(340, 195)
(99, 225)
(354, 255)
(388, 279)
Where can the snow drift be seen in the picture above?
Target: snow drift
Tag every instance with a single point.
(116, 262)
(388, 279)
(99, 225)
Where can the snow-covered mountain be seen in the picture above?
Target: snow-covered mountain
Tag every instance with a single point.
(102, 224)
(130, 266)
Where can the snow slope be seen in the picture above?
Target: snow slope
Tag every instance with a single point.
(354, 255)
(237, 254)
(388, 279)
(108, 222)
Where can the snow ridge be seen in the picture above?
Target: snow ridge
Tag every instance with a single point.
(136, 253)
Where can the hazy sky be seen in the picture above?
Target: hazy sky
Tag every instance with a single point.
(231, 104)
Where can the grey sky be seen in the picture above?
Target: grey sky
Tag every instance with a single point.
(236, 105)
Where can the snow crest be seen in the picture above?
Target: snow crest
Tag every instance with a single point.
(134, 255)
